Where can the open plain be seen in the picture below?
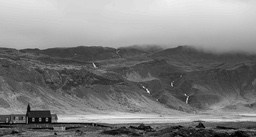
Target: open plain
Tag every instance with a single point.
(143, 125)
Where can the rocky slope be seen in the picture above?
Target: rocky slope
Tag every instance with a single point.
(84, 80)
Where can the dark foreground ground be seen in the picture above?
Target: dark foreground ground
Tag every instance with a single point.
(192, 129)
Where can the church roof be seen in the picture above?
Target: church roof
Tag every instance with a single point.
(39, 113)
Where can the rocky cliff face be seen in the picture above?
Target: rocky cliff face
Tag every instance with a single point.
(99, 80)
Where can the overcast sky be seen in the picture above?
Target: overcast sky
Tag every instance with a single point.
(219, 24)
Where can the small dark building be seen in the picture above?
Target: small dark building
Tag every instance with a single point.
(5, 118)
(31, 117)
(18, 118)
(39, 117)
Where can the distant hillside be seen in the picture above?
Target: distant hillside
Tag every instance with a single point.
(134, 79)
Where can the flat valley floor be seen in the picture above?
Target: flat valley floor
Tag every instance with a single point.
(129, 125)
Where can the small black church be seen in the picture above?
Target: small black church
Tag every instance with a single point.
(38, 116)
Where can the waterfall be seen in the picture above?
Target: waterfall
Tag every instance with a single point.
(117, 53)
(146, 89)
(172, 84)
(187, 98)
(94, 65)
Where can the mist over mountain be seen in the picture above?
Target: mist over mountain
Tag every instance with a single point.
(83, 80)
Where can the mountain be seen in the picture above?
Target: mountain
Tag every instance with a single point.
(82, 80)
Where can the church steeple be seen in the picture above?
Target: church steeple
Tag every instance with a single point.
(28, 108)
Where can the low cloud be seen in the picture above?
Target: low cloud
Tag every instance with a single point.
(219, 25)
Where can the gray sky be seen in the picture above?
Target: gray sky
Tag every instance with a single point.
(215, 24)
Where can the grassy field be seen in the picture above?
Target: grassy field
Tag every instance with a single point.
(120, 124)
(186, 129)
